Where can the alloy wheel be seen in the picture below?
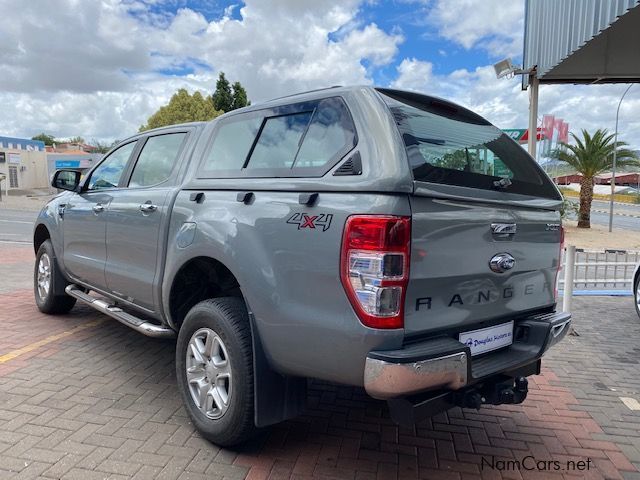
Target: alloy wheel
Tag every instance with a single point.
(208, 370)
(44, 276)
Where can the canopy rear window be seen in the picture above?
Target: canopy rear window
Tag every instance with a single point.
(451, 145)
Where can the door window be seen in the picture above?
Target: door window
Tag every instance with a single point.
(157, 159)
(109, 172)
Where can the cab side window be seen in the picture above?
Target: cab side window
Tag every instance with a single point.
(109, 172)
(157, 160)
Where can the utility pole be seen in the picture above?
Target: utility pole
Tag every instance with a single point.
(615, 156)
(533, 113)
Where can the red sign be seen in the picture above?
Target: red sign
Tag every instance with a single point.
(547, 125)
(539, 135)
(563, 132)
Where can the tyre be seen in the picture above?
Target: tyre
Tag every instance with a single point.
(214, 370)
(46, 281)
(636, 294)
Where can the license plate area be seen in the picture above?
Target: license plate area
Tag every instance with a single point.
(488, 339)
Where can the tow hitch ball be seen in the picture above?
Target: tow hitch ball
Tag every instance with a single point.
(509, 392)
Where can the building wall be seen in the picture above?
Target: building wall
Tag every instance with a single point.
(622, 178)
(75, 161)
(557, 29)
(23, 169)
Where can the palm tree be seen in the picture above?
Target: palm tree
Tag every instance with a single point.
(591, 156)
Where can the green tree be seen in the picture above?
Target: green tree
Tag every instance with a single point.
(182, 108)
(239, 96)
(590, 156)
(457, 160)
(47, 139)
(223, 96)
(73, 140)
(103, 147)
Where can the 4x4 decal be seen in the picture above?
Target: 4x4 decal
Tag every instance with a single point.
(305, 220)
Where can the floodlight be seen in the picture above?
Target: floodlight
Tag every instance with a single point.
(504, 68)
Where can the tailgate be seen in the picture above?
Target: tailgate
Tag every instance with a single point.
(452, 286)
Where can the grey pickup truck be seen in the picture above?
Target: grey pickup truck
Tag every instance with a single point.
(366, 236)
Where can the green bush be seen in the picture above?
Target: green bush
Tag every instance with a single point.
(569, 208)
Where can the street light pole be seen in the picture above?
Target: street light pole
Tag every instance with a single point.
(533, 114)
(615, 156)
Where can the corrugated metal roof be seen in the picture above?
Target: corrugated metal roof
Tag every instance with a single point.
(556, 29)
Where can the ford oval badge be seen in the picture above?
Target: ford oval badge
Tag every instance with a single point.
(502, 262)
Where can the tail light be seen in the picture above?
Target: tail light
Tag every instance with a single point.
(374, 267)
(559, 270)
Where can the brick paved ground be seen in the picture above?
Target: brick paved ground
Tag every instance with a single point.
(93, 399)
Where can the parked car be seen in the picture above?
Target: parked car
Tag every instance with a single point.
(367, 236)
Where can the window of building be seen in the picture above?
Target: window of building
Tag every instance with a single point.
(13, 177)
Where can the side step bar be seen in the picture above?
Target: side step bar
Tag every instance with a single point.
(146, 328)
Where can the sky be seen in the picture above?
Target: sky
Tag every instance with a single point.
(99, 69)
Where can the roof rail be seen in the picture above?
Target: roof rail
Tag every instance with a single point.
(302, 93)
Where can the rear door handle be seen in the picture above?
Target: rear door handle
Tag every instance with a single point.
(504, 228)
(99, 208)
(148, 208)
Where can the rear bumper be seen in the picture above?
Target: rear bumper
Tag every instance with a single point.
(445, 363)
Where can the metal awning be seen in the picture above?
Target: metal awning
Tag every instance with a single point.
(582, 41)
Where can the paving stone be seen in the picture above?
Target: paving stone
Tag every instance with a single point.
(106, 406)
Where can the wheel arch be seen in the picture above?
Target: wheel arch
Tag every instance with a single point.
(199, 278)
(40, 235)
(277, 397)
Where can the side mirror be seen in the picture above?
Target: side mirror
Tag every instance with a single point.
(66, 180)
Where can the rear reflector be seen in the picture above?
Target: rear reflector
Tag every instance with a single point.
(374, 267)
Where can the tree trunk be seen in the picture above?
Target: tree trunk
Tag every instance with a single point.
(586, 196)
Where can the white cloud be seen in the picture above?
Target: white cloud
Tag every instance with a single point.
(101, 115)
(72, 67)
(415, 75)
(91, 68)
(497, 26)
(85, 47)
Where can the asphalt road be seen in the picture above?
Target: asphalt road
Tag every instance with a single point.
(626, 216)
(619, 222)
(617, 207)
(16, 226)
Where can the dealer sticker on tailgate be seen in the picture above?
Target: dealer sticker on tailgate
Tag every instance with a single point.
(487, 339)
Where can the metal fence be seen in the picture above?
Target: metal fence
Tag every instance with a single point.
(602, 272)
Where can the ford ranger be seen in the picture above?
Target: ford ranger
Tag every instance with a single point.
(373, 237)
